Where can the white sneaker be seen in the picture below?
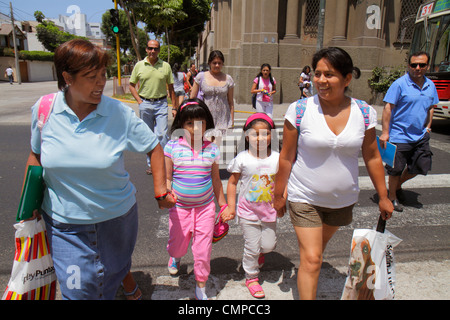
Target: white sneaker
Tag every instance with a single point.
(173, 266)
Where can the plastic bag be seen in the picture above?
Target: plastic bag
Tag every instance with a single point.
(33, 274)
(371, 273)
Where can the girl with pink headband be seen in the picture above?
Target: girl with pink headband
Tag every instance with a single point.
(255, 168)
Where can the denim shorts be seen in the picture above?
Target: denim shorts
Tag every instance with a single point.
(92, 260)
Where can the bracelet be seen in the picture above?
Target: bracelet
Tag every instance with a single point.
(162, 196)
(174, 109)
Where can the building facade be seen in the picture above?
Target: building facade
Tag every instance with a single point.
(285, 33)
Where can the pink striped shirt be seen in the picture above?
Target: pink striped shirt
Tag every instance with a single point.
(191, 175)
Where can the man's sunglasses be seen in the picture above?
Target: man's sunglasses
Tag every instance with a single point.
(421, 65)
(152, 49)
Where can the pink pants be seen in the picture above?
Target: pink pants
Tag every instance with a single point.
(198, 224)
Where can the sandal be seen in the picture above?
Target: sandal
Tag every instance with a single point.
(255, 290)
(136, 294)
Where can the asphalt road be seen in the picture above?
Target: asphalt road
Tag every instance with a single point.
(423, 257)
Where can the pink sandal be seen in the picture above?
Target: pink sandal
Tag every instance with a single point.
(254, 289)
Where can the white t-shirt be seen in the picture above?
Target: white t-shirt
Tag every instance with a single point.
(325, 173)
(256, 185)
(178, 82)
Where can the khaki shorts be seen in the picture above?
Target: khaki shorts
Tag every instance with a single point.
(309, 216)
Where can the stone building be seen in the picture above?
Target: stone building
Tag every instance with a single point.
(284, 33)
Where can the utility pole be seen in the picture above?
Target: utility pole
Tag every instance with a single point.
(16, 52)
(321, 25)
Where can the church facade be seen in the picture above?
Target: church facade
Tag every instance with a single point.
(286, 33)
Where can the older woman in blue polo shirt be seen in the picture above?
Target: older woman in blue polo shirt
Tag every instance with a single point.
(89, 204)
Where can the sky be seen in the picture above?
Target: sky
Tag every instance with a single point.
(24, 9)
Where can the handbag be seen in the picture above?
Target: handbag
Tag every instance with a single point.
(371, 271)
(33, 274)
(220, 228)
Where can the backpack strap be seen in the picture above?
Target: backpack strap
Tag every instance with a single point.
(365, 110)
(300, 111)
(45, 108)
(301, 107)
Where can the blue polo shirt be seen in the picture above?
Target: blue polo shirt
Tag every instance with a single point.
(409, 116)
(83, 161)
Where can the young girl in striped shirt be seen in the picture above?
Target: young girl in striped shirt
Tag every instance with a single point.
(193, 174)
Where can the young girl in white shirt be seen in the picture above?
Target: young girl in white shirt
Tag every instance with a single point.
(255, 168)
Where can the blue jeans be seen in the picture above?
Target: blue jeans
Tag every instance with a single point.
(155, 115)
(92, 260)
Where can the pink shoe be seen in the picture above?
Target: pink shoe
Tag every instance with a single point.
(255, 290)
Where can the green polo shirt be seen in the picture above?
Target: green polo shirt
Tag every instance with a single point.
(152, 79)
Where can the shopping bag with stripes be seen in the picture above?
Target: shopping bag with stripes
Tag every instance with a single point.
(33, 275)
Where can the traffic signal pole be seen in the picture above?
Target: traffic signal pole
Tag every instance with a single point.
(118, 52)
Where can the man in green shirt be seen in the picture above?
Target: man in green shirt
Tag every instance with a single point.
(155, 77)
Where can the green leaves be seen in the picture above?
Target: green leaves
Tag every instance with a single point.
(381, 79)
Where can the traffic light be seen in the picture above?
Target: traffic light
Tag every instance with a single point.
(114, 20)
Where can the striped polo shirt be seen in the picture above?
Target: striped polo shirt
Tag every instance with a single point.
(191, 174)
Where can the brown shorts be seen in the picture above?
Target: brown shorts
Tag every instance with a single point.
(309, 216)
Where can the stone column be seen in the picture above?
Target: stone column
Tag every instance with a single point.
(340, 26)
(292, 19)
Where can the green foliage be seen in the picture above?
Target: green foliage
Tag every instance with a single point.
(160, 14)
(36, 55)
(381, 79)
(6, 52)
(28, 55)
(176, 55)
(185, 32)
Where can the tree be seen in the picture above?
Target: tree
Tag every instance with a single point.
(39, 16)
(160, 15)
(175, 56)
(49, 34)
(132, 26)
(185, 32)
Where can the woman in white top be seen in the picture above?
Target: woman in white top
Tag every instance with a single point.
(320, 160)
(304, 82)
(178, 84)
(264, 86)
